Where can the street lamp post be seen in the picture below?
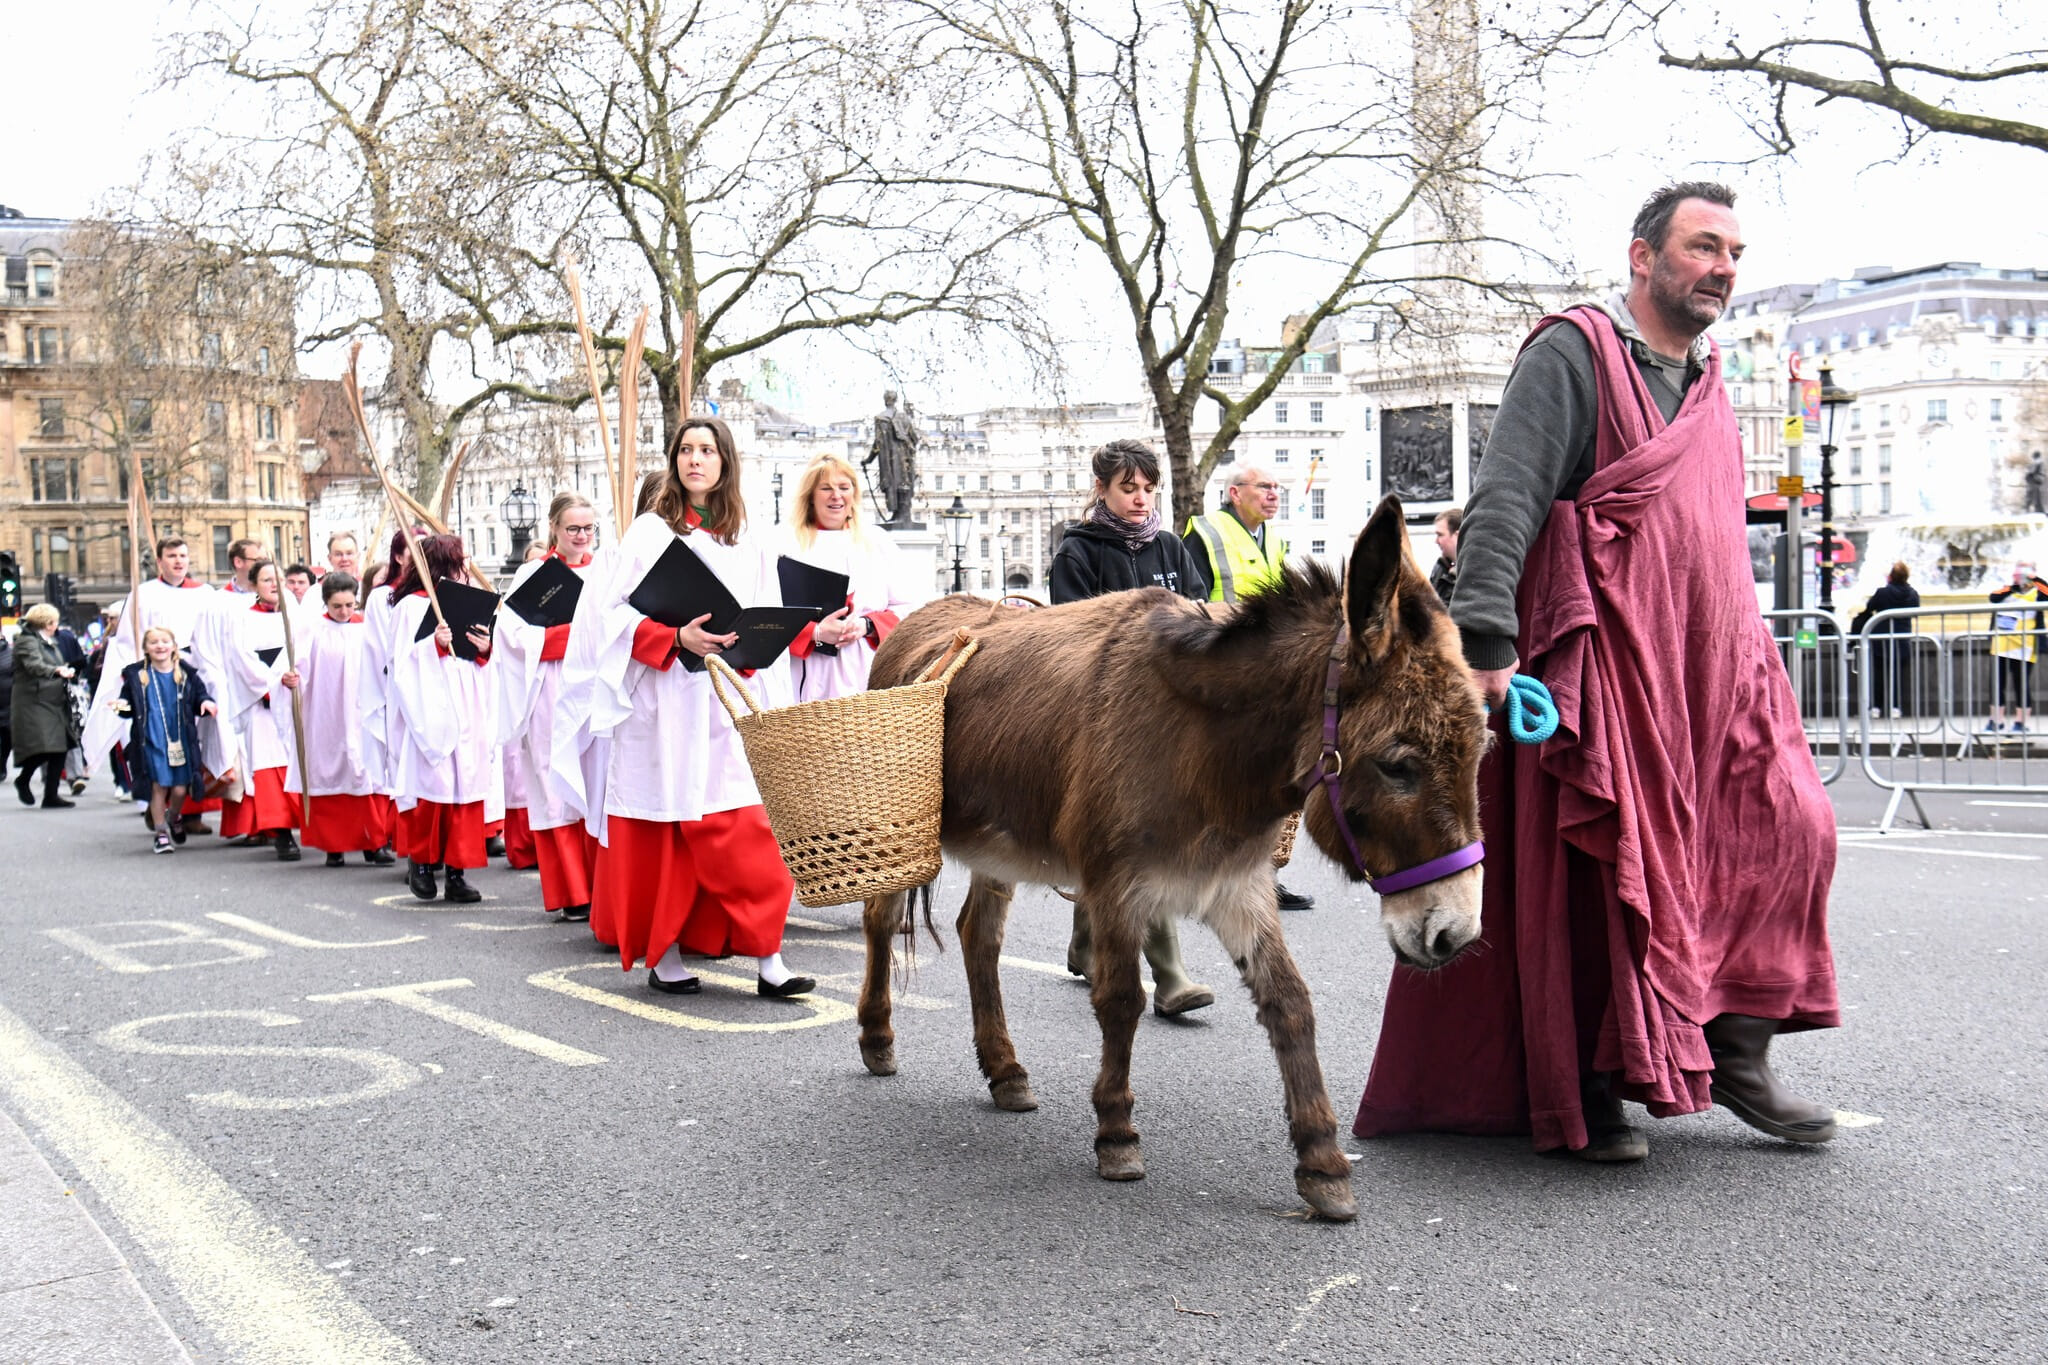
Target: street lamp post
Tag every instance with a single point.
(1832, 401)
(957, 518)
(775, 485)
(520, 512)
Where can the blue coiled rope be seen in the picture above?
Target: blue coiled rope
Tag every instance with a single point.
(1532, 714)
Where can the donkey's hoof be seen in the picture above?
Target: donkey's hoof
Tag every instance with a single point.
(1329, 1195)
(1119, 1161)
(880, 1060)
(1014, 1094)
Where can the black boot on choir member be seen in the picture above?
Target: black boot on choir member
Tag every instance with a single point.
(494, 847)
(459, 890)
(336, 860)
(1609, 1136)
(379, 857)
(287, 847)
(1745, 1085)
(575, 914)
(421, 879)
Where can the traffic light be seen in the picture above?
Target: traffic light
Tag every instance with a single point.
(10, 584)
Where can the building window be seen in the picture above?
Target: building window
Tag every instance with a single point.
(1884, 459)
(1998, 410)
(1048, 478)
(157, 483)
(1997, 369)
(217, 480)
(1937, 409)
(46, 345)
(209, 350)
(50, 419)
(1884, 499)
(1315, 457)
(1884, 414)
(1368, 419)
(53, 480)
(263, 360)
(1855, 424)
(984, 547)
(1286, 502)
(277, 544)
(1070, 480)
(1016, 482)
(1280, 414)
(1856, 501)
(266, 423)
(1315, 503)
(216, 420)
(268, 477)
(984, 483)
(1315, 412)
(141, 418)
(1317, 547)
(42, 280)
(1279, 457)
(1855, 463)
(984, 516)
(223, 536)
(60, 552)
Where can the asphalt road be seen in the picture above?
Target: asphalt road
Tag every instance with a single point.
(325, 1121)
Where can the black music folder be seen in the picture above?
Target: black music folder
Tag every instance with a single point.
(269, 656)
(680, 587)
(807, 585)
(465, 605)
(548, 596)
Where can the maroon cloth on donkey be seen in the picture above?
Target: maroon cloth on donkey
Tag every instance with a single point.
(1672, 843)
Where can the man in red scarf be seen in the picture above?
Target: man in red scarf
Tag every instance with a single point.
(1657, 873)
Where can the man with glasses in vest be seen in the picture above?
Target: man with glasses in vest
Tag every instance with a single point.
(1241, 556)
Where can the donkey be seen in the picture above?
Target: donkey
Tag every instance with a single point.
(1146, 750)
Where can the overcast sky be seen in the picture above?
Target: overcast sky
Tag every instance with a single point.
(81, 117)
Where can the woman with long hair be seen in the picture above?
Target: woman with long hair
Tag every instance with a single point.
(688, 865)
(443, 769)
(832, 658)
(245, 659)
(1118, 545)
(529, 672)
(163, 701)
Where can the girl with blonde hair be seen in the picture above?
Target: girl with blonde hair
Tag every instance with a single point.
(828, 531)
(163, 701)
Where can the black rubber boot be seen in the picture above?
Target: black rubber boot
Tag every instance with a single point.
(1609, 1136)
(1745, 1085)
(460, 891)
(287, 847)
(420, 878)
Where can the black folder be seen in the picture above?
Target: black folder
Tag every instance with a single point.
(807, 585)
(269, 656)
(680, 587)
(465, 606)
(548, 596)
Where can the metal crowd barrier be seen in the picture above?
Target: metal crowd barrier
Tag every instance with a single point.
(1927, 680)
(1816, 657)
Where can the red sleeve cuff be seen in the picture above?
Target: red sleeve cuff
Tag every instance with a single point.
(443, 650)
(556, 645)
(654, 644)
(800, 647)
(885, 621)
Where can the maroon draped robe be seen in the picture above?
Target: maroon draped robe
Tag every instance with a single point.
(1665, 858)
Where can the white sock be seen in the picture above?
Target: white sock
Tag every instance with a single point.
(671, 967)
(772, 970)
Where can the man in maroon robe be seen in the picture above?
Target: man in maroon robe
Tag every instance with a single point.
(1657, 873)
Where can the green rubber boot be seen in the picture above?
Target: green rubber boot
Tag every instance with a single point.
(1172, 992)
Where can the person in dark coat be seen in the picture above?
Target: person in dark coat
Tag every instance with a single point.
(1890, 661)
(42, 706)
(163, 701)
(1118, 545)
(6, 699)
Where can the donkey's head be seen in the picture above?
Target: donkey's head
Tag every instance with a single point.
(1411, 728)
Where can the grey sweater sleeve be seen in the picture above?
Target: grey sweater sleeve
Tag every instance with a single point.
(1541, 449)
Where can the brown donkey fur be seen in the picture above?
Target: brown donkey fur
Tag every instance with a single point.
(1145, 750)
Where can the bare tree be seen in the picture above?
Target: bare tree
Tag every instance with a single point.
(727, 151)
(1330, 151)
(377, 180)
(1985, 77)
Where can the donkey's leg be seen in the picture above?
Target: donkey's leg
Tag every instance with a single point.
(982, 918)
(1118, 924)
(881, 917)
(1245, 916)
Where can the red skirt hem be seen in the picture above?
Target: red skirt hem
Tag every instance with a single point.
(714, 887)
(452, 836)
(349, 824)
(266, 808)
(568, 865)
(519, 849)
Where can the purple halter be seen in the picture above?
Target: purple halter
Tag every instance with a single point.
(1329, 773)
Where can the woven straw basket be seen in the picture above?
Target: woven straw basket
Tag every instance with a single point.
(1283, 851)
(852, 784)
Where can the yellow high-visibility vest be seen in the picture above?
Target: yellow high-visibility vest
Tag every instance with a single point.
(1237, 565)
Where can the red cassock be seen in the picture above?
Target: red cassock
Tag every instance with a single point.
(1666, 857)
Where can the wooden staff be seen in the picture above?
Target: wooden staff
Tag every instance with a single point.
(621, 504)
(353, 391)
(291, 659)
(629, 411)
(140, 520)
(688, 368)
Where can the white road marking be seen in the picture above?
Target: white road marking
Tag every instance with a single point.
(115, 957)
(503, 928)
(2023, 805)
(419, 997)
(1849, 1118)
(1943, 852)
(290, 939)
(850, 981)
(242, 1278)
(1301, 1314)
(820, 1009)
(820, 925)
(389, 1074)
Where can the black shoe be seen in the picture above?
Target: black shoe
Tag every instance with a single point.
(379, 857)
(28, 798)
(689, 985)
(194, 824)
(575, 914)
(57, 803)
(460, 891)
(796, 985)
(494, 847)
(1293, 900)
(336, 860)
(177, 834)
(420, 878)
(287, 847)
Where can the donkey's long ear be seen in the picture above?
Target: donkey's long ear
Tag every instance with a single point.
(1375, 575)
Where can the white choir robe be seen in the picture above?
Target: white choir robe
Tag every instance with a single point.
(530, 710)
(381, 721)
(346, 808)
(578, 758)
(263, 733)
(883, 582)
(674, 754)
(447, 709)
(154, 603)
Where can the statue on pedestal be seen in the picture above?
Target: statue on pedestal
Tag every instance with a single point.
(895, 447)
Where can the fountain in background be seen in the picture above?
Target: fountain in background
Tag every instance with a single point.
(1953, 562)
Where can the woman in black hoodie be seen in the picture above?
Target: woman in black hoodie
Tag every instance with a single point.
(1118, 545)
